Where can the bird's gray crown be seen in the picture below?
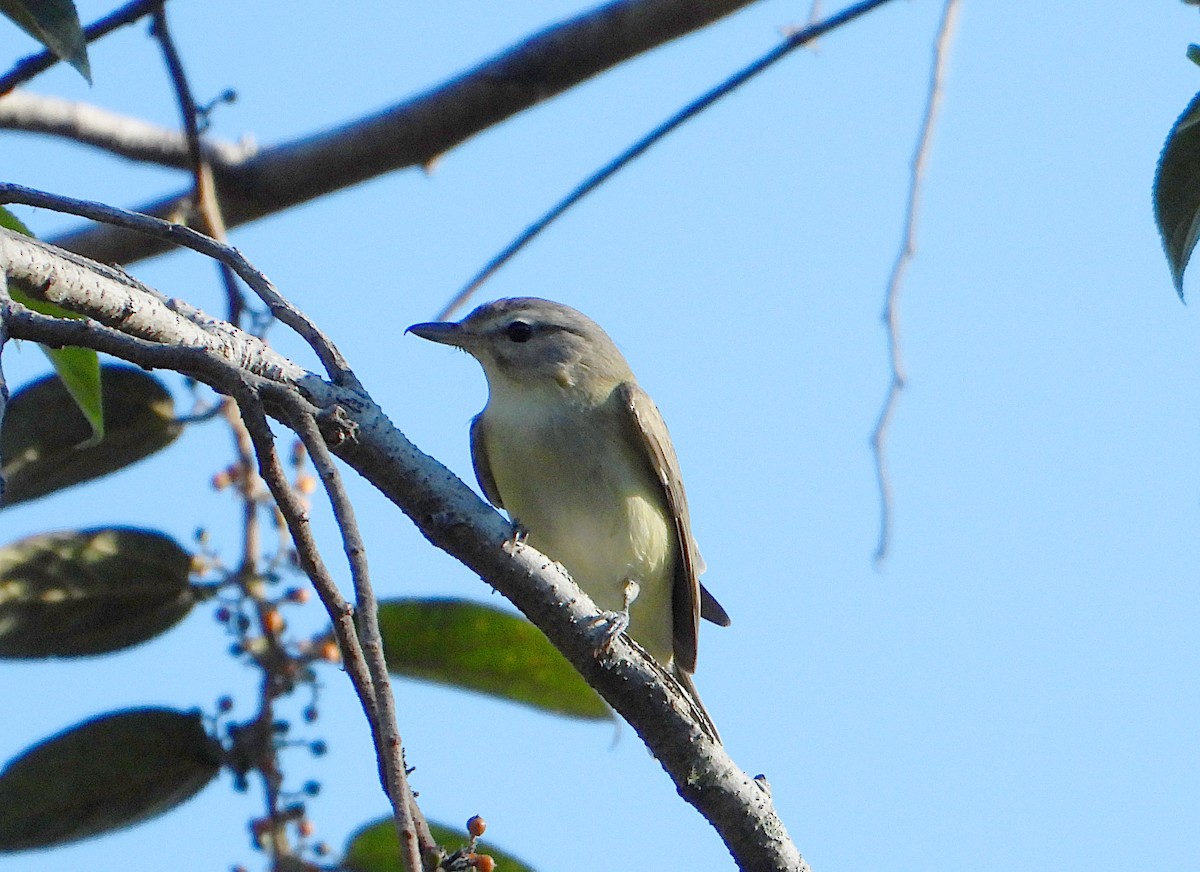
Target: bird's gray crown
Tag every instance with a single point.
(530, 339)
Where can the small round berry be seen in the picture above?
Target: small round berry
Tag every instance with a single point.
(273, 622)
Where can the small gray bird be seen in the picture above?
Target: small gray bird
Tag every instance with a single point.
(580, 458)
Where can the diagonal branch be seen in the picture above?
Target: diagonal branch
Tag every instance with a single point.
(225, 376)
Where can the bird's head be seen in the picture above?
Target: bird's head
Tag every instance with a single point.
(528, 343)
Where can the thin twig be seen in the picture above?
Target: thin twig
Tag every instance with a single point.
(414, 834)
(791, 43)
(307, 555)
(208, 207)
(28, 67)
(908, 237)
(254, 425)
(183, 92)
(335, 364)
(249, 580)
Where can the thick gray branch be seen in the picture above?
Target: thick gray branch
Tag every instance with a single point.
(414, 132)
(166, 334)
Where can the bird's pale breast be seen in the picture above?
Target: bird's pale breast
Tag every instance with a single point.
(597, 511)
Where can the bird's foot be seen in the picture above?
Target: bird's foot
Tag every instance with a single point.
(613, 624)
(518, 534)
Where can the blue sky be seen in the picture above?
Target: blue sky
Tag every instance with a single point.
(1015, 685)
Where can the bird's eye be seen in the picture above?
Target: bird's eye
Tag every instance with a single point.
(519, 331)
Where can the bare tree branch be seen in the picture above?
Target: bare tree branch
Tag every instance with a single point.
(908, 245)
(119, 134)
(455, 519)
(414, 132)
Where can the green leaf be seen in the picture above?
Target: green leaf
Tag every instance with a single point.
(79, 368)
(46, 444)
(107, 773)
(9, 221)
(71, 594)
(476, 647)
(376, 848)
(55, 24)
(1177, 192)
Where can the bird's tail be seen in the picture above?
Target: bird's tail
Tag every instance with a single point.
(702, 715)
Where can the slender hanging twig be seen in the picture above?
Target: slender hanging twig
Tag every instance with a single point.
(908, 237)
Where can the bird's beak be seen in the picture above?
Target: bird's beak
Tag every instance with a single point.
(445, 332)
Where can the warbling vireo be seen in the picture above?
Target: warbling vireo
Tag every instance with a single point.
(580, 458)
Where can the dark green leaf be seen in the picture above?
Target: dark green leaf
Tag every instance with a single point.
(79, 368)
(1177, 192)
(55, 24)
(90, 592)
(107, 773)
(376, 848)
(477, 647)
(46, 444)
